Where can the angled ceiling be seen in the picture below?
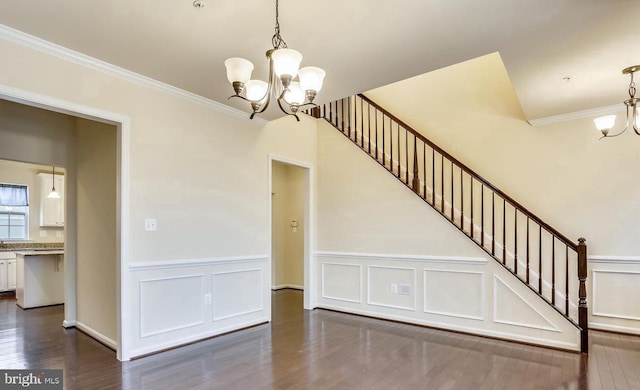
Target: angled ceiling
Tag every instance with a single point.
(362, 44)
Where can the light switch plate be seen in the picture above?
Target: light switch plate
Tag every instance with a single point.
(150, 225)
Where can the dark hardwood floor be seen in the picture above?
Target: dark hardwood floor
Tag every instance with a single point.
(316, 350)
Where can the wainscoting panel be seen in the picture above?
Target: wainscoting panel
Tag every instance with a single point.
(171, 305)
(163, 309)
(512, 308)
(613, 288)
(393, 287)
(236, 293)
(454, 293)
(622, 284)
(467, 295)
(341, 282)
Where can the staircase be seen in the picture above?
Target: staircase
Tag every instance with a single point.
(542, 258)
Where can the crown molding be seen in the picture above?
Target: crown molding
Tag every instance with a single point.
(591, 113)
(23, 39)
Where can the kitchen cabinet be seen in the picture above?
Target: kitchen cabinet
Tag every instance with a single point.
(11, 274)
(7, 271)
(3, 275)
(51, 210)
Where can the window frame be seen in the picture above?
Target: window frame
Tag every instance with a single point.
(10, 210)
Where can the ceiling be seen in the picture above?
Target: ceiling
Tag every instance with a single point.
(362, 44)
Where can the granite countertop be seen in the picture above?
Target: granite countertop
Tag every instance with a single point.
(31, 246)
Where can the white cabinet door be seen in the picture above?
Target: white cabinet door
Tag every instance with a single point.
(11, 274)
(3, 275)
(51, 210)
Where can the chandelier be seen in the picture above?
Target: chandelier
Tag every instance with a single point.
(606, 123)
(284, 66)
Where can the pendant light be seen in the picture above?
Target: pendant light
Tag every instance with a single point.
(53, 194)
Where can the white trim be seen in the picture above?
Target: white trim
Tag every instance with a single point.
(291, 286)
(141, 283)
(323, 295)
(551, 327)
(413, 294)
(30, 41)
(194, 337)
(594, 290)
(165, 264)
(483, 300)
(397, 257)
(102, 339)
(591, 113)
(123, 124)
(68, 324)
(613, 328)
(459, 328)
(309, 279)
(614, 259)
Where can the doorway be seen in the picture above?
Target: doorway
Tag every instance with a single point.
(291, 226)
(86, 189)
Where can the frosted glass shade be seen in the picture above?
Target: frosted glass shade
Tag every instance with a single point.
(295, 95)
(256, 90)
(605, 122)
(53, 195)
(286, 62)
(311, 78)
(238, 69)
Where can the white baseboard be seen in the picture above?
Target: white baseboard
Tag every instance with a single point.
(476, 331)
(613, 328)
(68, 324)
(96, 335)
(292, 286)
(193, 338)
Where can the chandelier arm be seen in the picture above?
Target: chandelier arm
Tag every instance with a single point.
(239, 96)
(285, 111)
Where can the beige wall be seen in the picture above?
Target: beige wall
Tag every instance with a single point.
(561, 172)
(287, 206)
(96, 205)
(27, 174)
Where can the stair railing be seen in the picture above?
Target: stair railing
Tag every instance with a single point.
(545, 260)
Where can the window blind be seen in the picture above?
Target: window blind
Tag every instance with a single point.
(13, 195)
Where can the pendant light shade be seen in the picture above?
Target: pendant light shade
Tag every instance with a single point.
(256, 90)
(311, 78)
(53, 194)
(286, 62)
(295, 94)
(238, 69)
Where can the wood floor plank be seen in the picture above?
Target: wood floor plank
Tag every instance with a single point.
(317, 350)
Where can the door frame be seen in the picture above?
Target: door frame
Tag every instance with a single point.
(123, 125)
(309, 227)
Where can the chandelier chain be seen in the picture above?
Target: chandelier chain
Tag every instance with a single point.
(632, 87)
(277, 41)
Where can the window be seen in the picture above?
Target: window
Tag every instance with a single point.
(14, 212)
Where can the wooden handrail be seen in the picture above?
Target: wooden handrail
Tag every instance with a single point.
(476, 176)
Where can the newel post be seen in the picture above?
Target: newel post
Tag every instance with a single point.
(582, 295)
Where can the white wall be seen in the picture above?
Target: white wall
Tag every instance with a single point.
(287, 243)
(96, 210)
(578, 184)
(27, 174)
